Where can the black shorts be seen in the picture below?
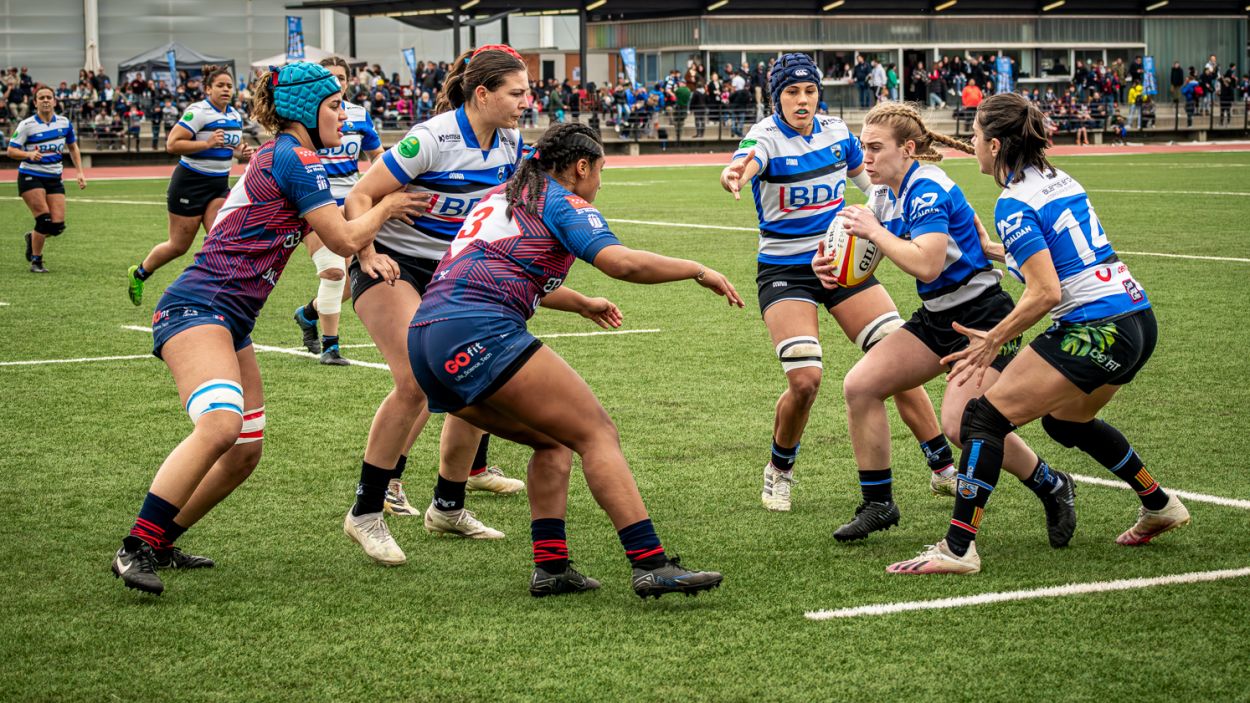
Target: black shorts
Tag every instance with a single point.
(778, 282)
(1102, 352)
(189, 193)
(416, 271)
(29, 181)
(934, 329)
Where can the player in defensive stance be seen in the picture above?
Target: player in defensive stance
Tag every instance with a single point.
(798, 164)
(928, 229)
(208, 138)
(203, 322)
(39, 142)
(342, 168)
(451, 161)
(1104, 331)
(474, 358)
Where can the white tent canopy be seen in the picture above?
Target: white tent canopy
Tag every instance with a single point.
(311, 54)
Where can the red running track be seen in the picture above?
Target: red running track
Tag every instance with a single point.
(714, 159)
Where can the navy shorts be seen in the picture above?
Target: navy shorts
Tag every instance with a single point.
(1102, 352)
(460, 362)
(173, 315)
(778, 282)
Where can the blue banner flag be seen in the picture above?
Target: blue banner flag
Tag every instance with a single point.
(1005, 82)
(172, 59)
(630, 58)
(410, 58)
(1150, 84)
(294, 38)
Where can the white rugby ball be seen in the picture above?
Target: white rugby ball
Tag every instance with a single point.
(853, 259)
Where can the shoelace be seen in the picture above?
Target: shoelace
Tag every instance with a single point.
(146, 558)
(494, 471)
(376, 529)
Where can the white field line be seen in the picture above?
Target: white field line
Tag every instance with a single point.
(602, 333)
(1242, 194)
(81, 360)
(279, 350)
(3, 304)
(1072, 589)
(100, 201)
(1187, 495)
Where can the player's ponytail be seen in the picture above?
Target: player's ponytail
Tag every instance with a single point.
(264, 108)
(486, 66)
(905, 122)
(561, 146)
(1020, 128)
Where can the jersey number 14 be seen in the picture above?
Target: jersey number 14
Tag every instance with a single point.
(1085, 246)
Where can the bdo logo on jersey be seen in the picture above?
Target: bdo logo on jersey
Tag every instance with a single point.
(818, 196)
(445, 206)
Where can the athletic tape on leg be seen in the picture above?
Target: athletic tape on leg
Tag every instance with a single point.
(798, 353)
(877, 330)
(214, 395)
(253, 426)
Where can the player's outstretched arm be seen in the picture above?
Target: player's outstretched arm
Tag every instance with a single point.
(742, 170)
(639, 266)
(346, 237)
(600, 311)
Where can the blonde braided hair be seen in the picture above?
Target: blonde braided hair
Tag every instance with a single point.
(905, 122)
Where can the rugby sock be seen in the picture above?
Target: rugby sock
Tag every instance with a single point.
(173, 533)
(937, 452)
(371, 491)
(877, 486)
(479, 461)
(36, 258)
(642, 545)
(551, 551)
(1044, 481)
(448, 495)
(309, 311)
(980, 463)
(783, 458)
(1107, 446)
(328, 341)
(153, 523)
(399, 468)
(142, 273)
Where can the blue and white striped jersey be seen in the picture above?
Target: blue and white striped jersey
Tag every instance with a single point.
(1053, 212)
(800, 184)
(48, 138)
(929, 202)
(441, 156)
(342, 161)
(201, 120)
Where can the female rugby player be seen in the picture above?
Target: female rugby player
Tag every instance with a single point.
(39, 142)
(203, 321)
(1104, 331)
(928, 229)
(210, 138)
(799, 164)
(341, 164)
(472, 355)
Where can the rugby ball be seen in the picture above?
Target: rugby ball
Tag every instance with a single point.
(853, 259)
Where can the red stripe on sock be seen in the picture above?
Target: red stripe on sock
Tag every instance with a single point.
(1150, 490)
(963, 526)
(150, 527)
(477, 472)
(640, 554)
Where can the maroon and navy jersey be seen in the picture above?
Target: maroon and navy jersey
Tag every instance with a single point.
(500, 265)
(256, 230)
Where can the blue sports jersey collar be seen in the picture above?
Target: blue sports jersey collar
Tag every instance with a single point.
(791, 132)
(902, 188)
(470, 137)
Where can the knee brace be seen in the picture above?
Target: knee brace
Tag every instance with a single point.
(45, 226)
(981, 420)
(253, 426)
(877, 330)
(211, 396)
(798, 353)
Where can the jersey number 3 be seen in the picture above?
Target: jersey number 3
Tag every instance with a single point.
(478, 217)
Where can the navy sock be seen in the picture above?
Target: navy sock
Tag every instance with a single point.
(399, 467)
(371, 491)
(448, 495)
(783, 458)
(1044, 480)
(153, 523)
(1109, 447)
(173, 532)
(309, 311)
(551, 550)
(36, 258)
(142, 273)
(479, 460)
(642, 545)
(937, 452)
(980, 463)
(877, 486)
(328, 341)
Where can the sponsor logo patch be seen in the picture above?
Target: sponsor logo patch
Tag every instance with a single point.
(410, 147)
(308, 157)
(577, 202)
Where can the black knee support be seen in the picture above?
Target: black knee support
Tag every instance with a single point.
(57, 228)
(1069, 434)
(981, 420)
(44, 226)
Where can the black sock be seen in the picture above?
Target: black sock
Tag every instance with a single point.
(642, 545)
(141, 273)
(983, 430)
(36, 258)
(371, 491)
(937, 453)
(173, 532)
(153, 523)
(310, 311)
(783, 457)
(551, 550)
(479, 461)
(877, 486)
(328, 341)
(399, 468)
(448, 495)
(1108, 446)
(1044, 480)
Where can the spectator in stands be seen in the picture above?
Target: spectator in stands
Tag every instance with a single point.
(1191, 91)
(1177, 80)
(403, 107)
(1226, 90)
(1135, 95)
(134, 118)
(920, 83)
(862, 73)
(877, 80)
(1082, 124)
(740, 104)
(891, 82)
(1147, 113)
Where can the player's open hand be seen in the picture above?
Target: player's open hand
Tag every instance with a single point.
(718, 284)
(860, 222)
(731, 176)
(970, 363)
(602, 312)
(822, 266)
(406, 207)
(377, 265)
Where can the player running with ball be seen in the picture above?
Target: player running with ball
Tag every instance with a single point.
(474, 358)
(928, 229)
(204, 320)
(1104, 331)
(798, 164)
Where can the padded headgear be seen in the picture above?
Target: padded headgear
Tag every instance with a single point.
(789, 70)
(299, 89)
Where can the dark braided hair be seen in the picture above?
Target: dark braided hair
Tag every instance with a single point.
(561, 146)
(1021, 128)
